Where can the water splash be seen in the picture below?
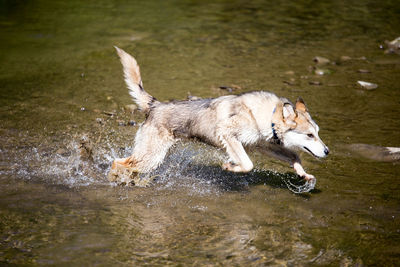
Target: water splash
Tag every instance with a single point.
(77, 160)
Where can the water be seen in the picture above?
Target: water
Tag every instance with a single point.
(60, 73)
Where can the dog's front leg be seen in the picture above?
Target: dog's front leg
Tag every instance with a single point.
(284, 154)
(301, 172)
(237, 154)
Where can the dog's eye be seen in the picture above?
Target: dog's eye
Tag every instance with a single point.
(310, 135)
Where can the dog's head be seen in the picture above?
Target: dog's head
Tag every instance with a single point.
(297, 129)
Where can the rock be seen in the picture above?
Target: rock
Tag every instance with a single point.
(367, 85)
(130, 108)
(123, 175)
(99, 120)
(314, 83)
(109, 113)
(377, 153)
(192, 97)
(131, 123)
(393, 46)
(363, 71)
(321, 72)
(63, 152)
(321, 60)
(345, 58)
(231, 88)
(86, 148)
(291, 82)
(121, 123)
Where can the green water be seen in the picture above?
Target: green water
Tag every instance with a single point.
(59, 73)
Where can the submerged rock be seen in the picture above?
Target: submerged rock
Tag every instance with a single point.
(132, 123)
(110, 113)
(321, 60)
(230, 88)
(192, 97)
(364, 71)
(367, 85)
(314, 83)
(291, 82)
(385, 154)
(85, 148)
(393, 46)
(99, 120)
(131, 108)
(321, 72)
(123, 175)
(345, 58)
(121, 123)
(289, 72)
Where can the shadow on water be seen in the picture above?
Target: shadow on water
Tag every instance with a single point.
(191, 166)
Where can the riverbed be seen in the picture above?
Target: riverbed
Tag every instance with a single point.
(64, 118)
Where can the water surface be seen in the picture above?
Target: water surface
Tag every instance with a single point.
(60, 77)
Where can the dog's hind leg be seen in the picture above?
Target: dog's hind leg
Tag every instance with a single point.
(239, 160)
(151, 145)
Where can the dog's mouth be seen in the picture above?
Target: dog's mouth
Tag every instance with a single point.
(309, 151)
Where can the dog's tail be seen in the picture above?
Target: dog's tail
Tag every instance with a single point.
(134, 81)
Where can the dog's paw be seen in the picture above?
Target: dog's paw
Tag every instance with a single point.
(232, 167)
(123, 175)
(229, 166)
(308, 177)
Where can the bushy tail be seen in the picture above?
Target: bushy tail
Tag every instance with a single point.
(134, 81)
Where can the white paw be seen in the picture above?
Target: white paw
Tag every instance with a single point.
(308, 177)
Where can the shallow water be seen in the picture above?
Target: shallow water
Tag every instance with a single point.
(60, 73)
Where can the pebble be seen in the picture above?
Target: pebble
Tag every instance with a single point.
(108, 113)
(290, 72)
(314, 83)
(393, 46)
(192, 97)
(322, 71)
(345, 58)
(291, 82)
(85, 147)
(363, 71)
(321, 60)
(130, 108)
(63, 152)
(367, 85)
(231, 88)
(377, 153)
(121, 123)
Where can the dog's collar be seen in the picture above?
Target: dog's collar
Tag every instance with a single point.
(274, 134)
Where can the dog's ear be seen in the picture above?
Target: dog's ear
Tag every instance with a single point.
(288, 111)
(289, 115)
(300, 105)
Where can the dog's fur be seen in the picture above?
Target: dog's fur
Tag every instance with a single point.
(229, 122)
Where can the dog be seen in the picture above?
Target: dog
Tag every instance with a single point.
(231, 122)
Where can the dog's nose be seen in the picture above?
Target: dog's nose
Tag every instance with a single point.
(326, 150)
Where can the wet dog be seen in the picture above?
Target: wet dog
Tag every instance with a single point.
(233, 122)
